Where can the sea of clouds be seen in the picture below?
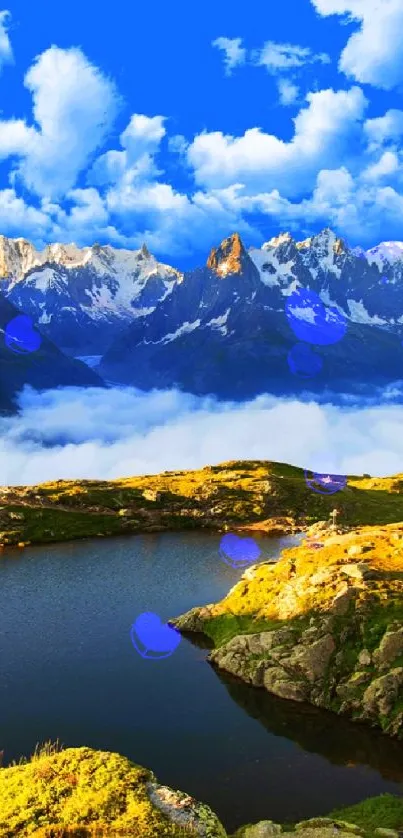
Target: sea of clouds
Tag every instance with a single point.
(95, 433)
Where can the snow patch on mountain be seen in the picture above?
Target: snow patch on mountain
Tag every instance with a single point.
(385, 252)
(184, 329)
(220, 322)
(276, 241)
(271, 269)
(359, 314)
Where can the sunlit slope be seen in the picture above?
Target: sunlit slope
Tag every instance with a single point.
(272, 496)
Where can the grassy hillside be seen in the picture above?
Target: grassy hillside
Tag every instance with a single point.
(269, 496)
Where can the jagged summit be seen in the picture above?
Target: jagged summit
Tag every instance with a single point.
(276, 241)
(144, 251)
(19, 256)
(229, 257)
(326, 240)
(81, 297)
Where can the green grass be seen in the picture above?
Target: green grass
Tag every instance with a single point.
(385, 810)
(38, 524)
(222, 628)
(246, 492)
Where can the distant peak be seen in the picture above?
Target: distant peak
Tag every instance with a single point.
(144, 251)
(276, 241)
(326, 239)
(228, 257)
(386, 252)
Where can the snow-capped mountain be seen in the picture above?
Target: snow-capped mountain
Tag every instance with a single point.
(82, 298)
(221, 328)
(224, 329)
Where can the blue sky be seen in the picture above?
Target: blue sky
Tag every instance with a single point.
(178, 124)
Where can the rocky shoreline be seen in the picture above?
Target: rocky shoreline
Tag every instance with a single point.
(320, 625)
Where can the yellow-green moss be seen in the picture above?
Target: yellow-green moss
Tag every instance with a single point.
(80, 792)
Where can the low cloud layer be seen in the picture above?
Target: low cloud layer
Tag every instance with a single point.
(74, 433)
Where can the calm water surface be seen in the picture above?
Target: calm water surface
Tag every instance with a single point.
(69, 671)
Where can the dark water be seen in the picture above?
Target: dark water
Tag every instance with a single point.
(69, 671)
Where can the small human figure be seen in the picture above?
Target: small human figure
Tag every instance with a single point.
(333, 516)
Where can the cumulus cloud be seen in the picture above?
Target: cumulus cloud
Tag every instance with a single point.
(388, 164)
(19, 218)
(338, 168)
(342, 201)
(373, 54)
(6, 52)
(324, 132)
(234, 53)
(74, 105)
(384, 129)
(140, 141)
(72, 433)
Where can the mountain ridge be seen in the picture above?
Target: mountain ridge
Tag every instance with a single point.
(220, 329)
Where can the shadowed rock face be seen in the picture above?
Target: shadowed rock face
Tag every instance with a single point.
(43, 369)
(334, 633)
(223, 329)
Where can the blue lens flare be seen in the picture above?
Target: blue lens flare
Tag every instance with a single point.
(20, 335)
(313, 322)
(152, 638)
(238, 552)
(325, 484)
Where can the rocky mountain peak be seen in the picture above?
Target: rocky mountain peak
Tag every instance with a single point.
(16, 256)
(144, 252)
(324, 242)
(276, 241)
(386, 252)
(229, 257)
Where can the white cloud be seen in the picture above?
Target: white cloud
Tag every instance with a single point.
(337, 169)
(178, 144)
(388, 164)
(73, 433)
(140, 142)
(277, 57)
(383, 129)
(16, 138)
(234, 54)
(288, 92)
(18, 218)
(373, 54)
(360, 209)
(6, 52)
(74, 105)
(324, 131)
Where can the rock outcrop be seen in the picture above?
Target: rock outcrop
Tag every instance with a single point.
(87, 793)
(334, 628)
